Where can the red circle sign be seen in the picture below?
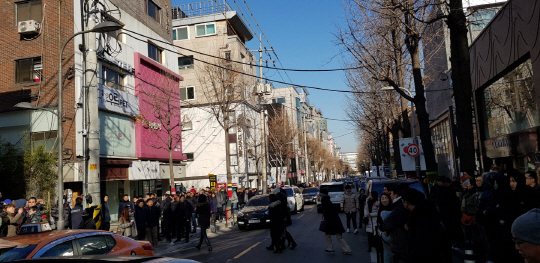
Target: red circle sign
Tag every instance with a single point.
(412, 150)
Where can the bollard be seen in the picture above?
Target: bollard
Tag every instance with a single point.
(469, 256)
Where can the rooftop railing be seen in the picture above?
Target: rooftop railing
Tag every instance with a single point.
(200, 9)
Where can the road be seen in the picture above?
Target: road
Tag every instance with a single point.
(233, 245)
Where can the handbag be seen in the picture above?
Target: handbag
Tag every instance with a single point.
(322, 226)
(467, 220)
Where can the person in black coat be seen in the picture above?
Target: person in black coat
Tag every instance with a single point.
(423, 244)
(333, 224)
(140, 220)
(76, 214)
(277, 224)
(151, 215)
(450, 210)
(203, 216)
(124, 203)
(394, 224)
(182, 217)
(168, 218)
(106, 215)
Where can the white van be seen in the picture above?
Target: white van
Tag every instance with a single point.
(335, 191)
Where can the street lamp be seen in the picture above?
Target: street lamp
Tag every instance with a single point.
(103, 27)
(415, 140)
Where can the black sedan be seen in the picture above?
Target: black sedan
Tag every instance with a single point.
(310, 194)
(255, 213)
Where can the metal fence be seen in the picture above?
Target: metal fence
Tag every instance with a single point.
(200, 9)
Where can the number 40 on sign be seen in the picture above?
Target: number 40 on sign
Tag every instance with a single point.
(412, 150)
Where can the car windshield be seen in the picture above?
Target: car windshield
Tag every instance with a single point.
(310, 190)
(333, 188)
(289, 191)
(259, 202)
(15, 253)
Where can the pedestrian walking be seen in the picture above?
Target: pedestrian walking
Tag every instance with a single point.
(371, 210)
(526, 235)
(394, 224)
(124, 223)
(182, 214)
(152, 214)
(349, 205)
(423, 244)
(203, 216)
(106, 215)
(331, 224)
(140, 219)
(277, 224)
(282, 196)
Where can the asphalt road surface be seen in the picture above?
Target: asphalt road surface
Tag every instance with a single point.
(232, 245)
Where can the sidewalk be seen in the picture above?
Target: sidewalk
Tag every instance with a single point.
(164, 247)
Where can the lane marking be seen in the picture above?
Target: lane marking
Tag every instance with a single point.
(300, 216)
(247, 250)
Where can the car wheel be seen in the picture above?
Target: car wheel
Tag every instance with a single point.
(241, 227)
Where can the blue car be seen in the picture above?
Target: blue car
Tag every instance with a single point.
(310, 194)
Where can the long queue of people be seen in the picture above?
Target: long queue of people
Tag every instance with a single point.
(495, 214)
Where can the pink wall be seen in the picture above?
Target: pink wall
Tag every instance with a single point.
(158, 90)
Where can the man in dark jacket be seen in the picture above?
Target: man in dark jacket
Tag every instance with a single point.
(140, 220)
(183, 213)
(124, 203)
(450, 210)
(422, 228)
(152, 214)
(106, 215)
(394, 224)
(192, 200)
(76, 214)
(168, 217)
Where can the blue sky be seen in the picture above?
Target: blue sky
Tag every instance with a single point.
(302, 34)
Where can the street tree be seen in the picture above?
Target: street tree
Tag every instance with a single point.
(39, 169)
(281, 136)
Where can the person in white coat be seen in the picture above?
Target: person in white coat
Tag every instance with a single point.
(370, 219)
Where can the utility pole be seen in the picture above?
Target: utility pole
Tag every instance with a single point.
(91, 83)
(305, 149)
(260, 93)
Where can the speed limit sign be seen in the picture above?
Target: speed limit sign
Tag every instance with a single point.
(412, 150)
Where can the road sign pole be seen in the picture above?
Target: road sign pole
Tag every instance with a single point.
(415, 141)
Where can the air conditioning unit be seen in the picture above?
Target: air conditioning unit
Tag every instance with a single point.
(29, 27)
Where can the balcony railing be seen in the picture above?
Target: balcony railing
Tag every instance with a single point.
(200, 9)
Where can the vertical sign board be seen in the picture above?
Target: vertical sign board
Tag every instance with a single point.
(213, 181)
(221, 180)
(407, 159)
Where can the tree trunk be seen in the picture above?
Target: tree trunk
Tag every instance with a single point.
(395, 145)
(462, 86)
(228, 148)
(421, 111)
(171, 170)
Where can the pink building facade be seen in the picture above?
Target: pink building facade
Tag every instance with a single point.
(158, 90)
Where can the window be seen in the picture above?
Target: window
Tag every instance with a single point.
(181, 33)
(187, 93)
(111, 78)
(61, 250)
(154, 52)
(16, 253)
(48, 139)
(205, 29)
(227, 55)
(185, 62)
(153, 10)
(29, 10)
(94, 245)
(189, 156)
(28, 70)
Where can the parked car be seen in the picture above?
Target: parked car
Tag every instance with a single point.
(68, 243)
(294, 198)
(379, 184)
(335, 191)
(310, 194)
(254, 213)
(101, 258)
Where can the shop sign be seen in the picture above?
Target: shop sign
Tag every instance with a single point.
(213, 181)
(121, 64)
(518, 143)
(118, 101)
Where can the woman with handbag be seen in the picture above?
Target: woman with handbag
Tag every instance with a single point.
(124, 223)
(331, 224)
(370, 218)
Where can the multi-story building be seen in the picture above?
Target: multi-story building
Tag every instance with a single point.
(130, 73)
(219, 105)
(351, 159)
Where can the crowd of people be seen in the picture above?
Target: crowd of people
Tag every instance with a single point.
(14, 213)
(495, 215)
